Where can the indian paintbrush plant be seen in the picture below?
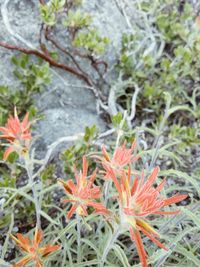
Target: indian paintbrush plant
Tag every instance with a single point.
(116, 210)
(130, 204)
(34, 253)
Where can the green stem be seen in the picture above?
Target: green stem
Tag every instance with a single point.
(107, 190)
(109, 245)
(78, 239)
(156, 145)
(29, 169)
(5, 246)
(106, 197)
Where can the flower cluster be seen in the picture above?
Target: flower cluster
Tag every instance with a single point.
(83, 194)
(34, 253)
(17, 134)
(138, 200)
(121, 158)
(137, 197)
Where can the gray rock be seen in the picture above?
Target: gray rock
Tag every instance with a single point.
(67, 109)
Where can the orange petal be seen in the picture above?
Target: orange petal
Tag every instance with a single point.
(135, 235)
(8, 152)
(151, 178)
(22, 241)
(150, 236)
(25, 121)
(103, 212)
(175, 199)
(23, 261)
(38, 264)
(68, 186)
(38, 236)
(85, 167)
(144, 225)
(46, 250)
(197, 20)
(96, 205)
(129, 173)
(134, 186)
(93, 177)
(71, 211)
(105, 154)
(173, 212)
(161, 185)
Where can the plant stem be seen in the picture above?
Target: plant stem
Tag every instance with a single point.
(49, 59)
(5, 245)
(157, 139)
(107, 189)
(109, 245)
(106, 197)
(29, 169)
(78, 238)
(120, 130)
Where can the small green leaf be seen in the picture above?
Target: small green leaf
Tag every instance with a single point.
(192, 216)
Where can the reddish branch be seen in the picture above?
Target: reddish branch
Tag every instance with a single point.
(94, 63)
(59, 47)
(49, 59)
(44, 54)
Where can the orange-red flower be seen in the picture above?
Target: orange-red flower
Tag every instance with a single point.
(137, 202)
(122, 157)
(34, 253)
(17, 134)
(83, 194)
(197, 20)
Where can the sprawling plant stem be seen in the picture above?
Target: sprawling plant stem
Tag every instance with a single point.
(107, 189)
(119, 135)
(78, 238)
(29, 169)
(107, 186)
(109, 182)
(156, 145)
(5, 245)
(109, 245)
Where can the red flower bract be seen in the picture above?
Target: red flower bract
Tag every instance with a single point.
(83, 194)
(17, 134)
(34, 253)
(137, 202)
(121, 158)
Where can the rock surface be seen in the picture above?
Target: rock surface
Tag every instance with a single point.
(67, 109)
